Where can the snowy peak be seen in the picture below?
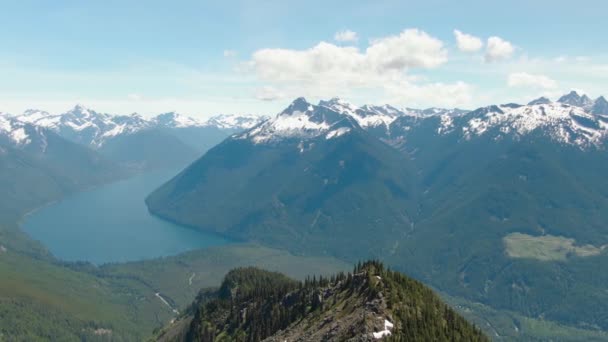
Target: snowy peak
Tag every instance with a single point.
(301, 120)
(175, 120)
(365, 116)
(574, 99)
(234, 122)
(22, 135)
(88, 127)
(333, 118)
(562, 123)
(339, 105)
(83, 125)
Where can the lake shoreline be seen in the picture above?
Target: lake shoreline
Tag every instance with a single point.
(82, 230)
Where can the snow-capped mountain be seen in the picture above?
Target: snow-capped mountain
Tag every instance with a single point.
(83, 125)
(600, 106)
(234, 122)
(574, 120)
(576, 100)
(17, 134)
(366, 116)
(175, 120)
(369, 116)
(301, 120)
(333, 118)
(12, 130)
(88, 127)
(562, 123)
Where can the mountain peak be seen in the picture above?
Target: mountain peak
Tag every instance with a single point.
(574, 99)
(302, 120)
(539, 101)
(339, 105)
(32, 111)
(80, 110)
(332, 101)
(306, 307)
(298, 105)
(600, 106)
(234, 121)
(176, 120)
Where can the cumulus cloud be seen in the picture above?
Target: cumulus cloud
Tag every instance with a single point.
(229, 53)
(498, 49)
(268, 93)
(523, 79)
(346, 36)
(467, 42)
(410, 49)
(384, 66)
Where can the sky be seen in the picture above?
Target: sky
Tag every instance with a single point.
(203, 58)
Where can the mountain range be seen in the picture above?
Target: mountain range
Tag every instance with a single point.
(45, 156)
(166, 140)
(503, 205)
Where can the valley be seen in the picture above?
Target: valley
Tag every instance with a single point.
(312, 191)
(303, 171)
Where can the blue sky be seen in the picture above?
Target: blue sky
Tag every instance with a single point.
(204, 58)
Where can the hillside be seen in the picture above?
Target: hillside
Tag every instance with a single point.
(369, 304)
(43, 167)
(306, 194)
(494, 205)
(149, 149)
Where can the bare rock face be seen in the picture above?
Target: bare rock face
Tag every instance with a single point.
(352, 316)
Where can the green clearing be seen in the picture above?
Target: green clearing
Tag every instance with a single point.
(504, 325)
(546, 247)
(179, 278)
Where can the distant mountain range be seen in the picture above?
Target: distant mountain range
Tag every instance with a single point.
(88, 127)
(45, 156)
(166, 140)
(494, 204)
(38, 166)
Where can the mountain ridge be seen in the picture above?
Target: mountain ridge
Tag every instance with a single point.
(371, 303)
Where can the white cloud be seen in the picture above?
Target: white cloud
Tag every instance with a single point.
(498, 49)
(382, 68)
(230, 53)
(523, 79)
(268, 93)
(326, 62)
(467, 42)
(346, 36)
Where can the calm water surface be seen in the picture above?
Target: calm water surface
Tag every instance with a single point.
(112, 224)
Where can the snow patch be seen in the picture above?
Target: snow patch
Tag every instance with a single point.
(388, 326)
(166, 303)
(337, 132)
(20, 137)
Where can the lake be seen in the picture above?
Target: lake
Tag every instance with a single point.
(112, 224)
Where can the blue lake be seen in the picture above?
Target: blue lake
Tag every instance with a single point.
(112, 224)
